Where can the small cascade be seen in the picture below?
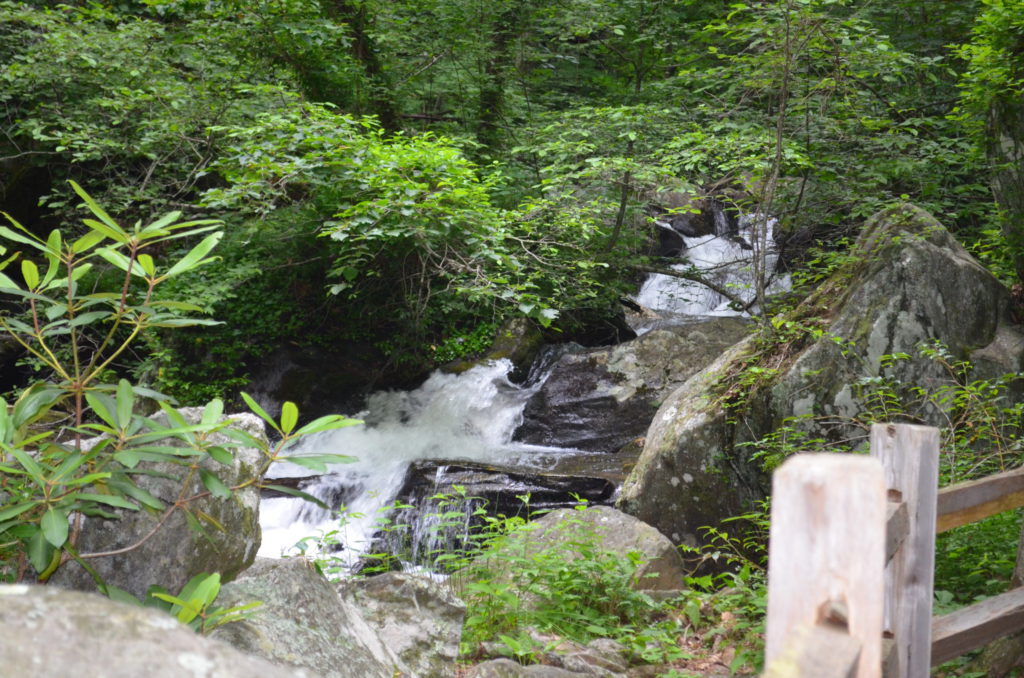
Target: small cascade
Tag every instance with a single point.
(469, 416)
(723, 258)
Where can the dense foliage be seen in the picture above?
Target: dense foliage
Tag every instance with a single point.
(394, 174)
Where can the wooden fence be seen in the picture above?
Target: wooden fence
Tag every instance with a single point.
(852, 561)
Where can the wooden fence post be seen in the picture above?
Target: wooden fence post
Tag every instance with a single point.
(828, 553)
(910, 457)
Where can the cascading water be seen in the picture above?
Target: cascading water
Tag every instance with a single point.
(723, 258)
(466, 416)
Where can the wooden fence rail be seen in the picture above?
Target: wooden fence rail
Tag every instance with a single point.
(852, 561)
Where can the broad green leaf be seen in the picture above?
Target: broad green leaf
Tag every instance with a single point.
(212, 412)
(259, 411)
(108, 499)
(119, 595)
(40, 551)
(17, 237)
(34, 402)
(128, 458)
(89, 478)
(327, 423)
(71, 463)
(284, 489)
(195, 257)
(30, 273)
(53, 255)
(55, 526)
(125, 403)
(214, 484)
(103, 406)
(164, 220)
(318, 462)
(289, 416)
(18, 509)
(89, 318)
(221, 455)
(135, 492)
(115, 258)
(29, 464)
(146, 262)
(101, 214)
(87, 242)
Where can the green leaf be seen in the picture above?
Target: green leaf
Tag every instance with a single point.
(115, 258)
(103, 406)
(17, 510)
(17, 237)
(115, 231)
(212, 412)
(195, 257)
(289, 416)
(108, 499)
(55, 526)
(284, 489)
(146, 262)
(30, 273)
(318, 462)
(34, 402)
(327, 423)
(40, 551)
(125, 403)
(71, 463)
(29, 464)
(221, 455)
(214, 484)
(137, 493)
(87, 242)
(259, 411)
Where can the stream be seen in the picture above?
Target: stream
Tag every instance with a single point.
(470, 416)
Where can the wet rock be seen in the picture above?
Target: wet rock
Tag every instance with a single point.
(912, 284)
(601, 399)
(517, 340)
(48, 632)
(303, 623)
(175, 552)
(416, 617)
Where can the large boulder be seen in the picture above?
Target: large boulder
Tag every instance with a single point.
(661, 567)
(48, 632)
(151, 550)
(415, 616)
(599, 400)
(303, 623)
(911, 284)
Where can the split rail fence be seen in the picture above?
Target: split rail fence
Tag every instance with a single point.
(853, 558)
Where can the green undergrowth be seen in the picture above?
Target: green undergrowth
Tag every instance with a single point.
(525, 597)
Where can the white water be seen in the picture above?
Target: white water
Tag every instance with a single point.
(467, 416)
(722, 261)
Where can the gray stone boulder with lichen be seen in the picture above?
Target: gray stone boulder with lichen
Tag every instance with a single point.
(303, 623)
(48, 632)
(149, 549)
(909, 284)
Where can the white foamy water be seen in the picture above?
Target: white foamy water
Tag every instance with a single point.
(467, 416)
(720, 260)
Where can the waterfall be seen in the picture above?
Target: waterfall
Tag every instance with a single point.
(723, 258)
(469, 416)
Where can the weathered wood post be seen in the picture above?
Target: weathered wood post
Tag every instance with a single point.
(910, 457)
(827, 555)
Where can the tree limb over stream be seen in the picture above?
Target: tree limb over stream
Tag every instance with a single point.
(693, 275)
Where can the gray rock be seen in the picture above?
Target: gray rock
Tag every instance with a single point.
(662, 568)
(417, 618)
(914, 283)
(175, 552)
(599, 400)
(304, 623)
(47, 632)
(506, 668)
